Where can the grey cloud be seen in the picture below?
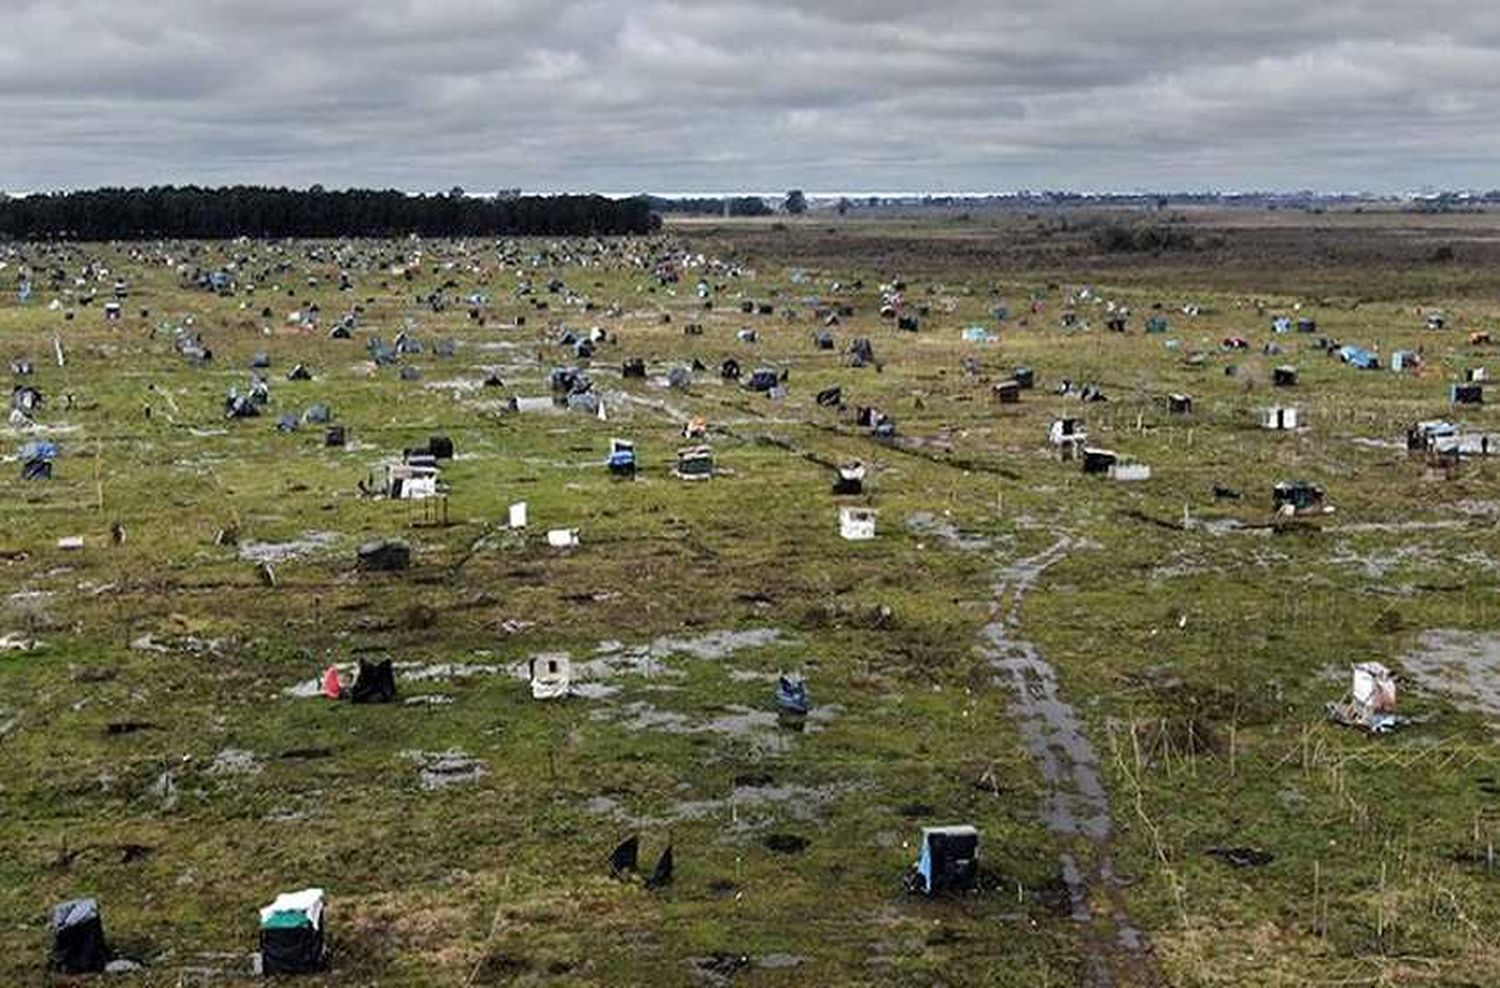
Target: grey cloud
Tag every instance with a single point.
(825, 94)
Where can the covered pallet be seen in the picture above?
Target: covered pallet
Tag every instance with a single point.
(292, 939)
(949, 860)
(77, 934)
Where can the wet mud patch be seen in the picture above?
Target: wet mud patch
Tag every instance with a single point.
(235, 761)
(1464, 665)
(280, 552)
(944, 530)
(765, 729)
(441, 769)
(746, 811)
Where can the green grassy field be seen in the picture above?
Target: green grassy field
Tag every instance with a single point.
(1195, 642)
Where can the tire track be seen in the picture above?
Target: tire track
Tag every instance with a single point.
(1076, 808)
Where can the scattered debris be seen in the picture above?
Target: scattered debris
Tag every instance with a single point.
(1370, 702)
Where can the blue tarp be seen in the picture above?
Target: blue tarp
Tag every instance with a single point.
(37, 450)
(791, 695)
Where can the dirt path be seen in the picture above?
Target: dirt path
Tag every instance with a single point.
(1076, 809)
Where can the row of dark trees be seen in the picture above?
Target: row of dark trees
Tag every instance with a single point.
(701, 206)
(254, 211)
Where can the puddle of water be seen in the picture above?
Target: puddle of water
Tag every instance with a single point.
(1465, 665)
(441, 769)
(1375, 565)
(280, 552)
(190, 643)
(456, 384)
(235, 761)
(1369, 443)
(716, 644)
(778, 962)
(748, 809)
(763, 727)
(592, 679)
(752, 676)
(925, 523)
(1399, 526)
(418, 672)
(613, 660)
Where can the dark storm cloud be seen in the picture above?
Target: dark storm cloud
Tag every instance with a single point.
(829, 94)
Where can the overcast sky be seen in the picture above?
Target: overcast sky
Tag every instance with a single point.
(826, 95)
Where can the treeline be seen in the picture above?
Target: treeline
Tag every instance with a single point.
(738, 206)
(253, 211)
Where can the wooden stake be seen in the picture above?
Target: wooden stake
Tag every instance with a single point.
(1317, 890)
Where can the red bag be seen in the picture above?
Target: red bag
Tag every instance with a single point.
(332, 688)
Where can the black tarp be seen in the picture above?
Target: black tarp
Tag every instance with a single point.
(850, 480)
(763, 379)
(292, 950)
(374, 683)
(384, 554)
(77, 938)
(623, 858)
(955, 864)
(240, 407)
(1098, 460)
(661, 875)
